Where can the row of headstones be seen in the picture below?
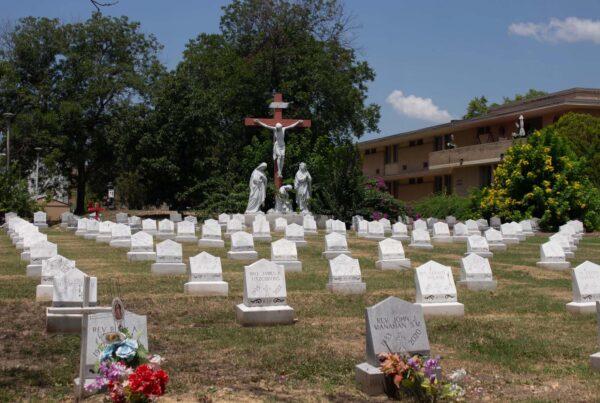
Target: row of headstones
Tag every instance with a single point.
(73, 295)
(60, 281)
(561, 246)
(264, 287)
(481, 223)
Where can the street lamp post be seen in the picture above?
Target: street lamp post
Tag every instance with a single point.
(8, 116)
(37, 170)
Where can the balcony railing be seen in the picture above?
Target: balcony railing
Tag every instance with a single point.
(478, 154)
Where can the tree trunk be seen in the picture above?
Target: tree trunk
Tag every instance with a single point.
(80, 207)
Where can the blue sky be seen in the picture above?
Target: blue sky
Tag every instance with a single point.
(430, 57)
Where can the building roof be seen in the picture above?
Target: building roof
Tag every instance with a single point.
(583, 97)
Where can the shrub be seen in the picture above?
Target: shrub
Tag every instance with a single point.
(14, 195)
(541, 178)
(443, 205)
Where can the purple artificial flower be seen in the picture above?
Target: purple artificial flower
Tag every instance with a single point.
(430, 368)
(413, 363)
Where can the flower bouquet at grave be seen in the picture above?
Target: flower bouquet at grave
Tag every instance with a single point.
(126, 372)
(417, 378)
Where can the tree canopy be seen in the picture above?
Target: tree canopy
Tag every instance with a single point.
(69, 85)
(95, 97)
(478, 106)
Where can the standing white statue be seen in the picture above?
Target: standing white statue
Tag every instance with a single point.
(521, 126)
(303, 186)
(258, 189)
(279, 142)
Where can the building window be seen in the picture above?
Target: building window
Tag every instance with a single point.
(419, 180)
(438, 143)
(411, 143)
(377, 171)
(420, 142)
(426, 165)
(448, 184)
(437, 184)
(448, 140)
(395, 153)
(367, 151)
(411, 181)
(533, 124)
(404, 167)
(387, 156)
(485, 174)
(396, 189)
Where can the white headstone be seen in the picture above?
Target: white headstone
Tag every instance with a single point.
(477, 244)
(420, 224)
(345, 276)
(142, 242)
(435, 283)
(375, 230)
(68, 289)
(264, 284)
(149, 226)
(101, 323)
(420, 239)
(280, 224)
(169, 251)
(205, 267)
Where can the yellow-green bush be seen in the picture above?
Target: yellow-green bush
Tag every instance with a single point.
(543, 178)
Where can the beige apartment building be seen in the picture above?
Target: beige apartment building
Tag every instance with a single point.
(456, 156)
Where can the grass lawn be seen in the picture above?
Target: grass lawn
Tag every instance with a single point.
(517, 343)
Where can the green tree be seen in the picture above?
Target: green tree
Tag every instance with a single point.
(14, 195)
(69, 84)
(532, 93)
(582, 132)
(478, 106)
(297, 48)
(541, 178)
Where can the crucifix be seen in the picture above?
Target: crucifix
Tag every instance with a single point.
(279, 125)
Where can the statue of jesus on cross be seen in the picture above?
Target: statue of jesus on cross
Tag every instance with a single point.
(279, 142)
(279, 125)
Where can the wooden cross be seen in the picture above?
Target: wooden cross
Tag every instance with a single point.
(278, 105)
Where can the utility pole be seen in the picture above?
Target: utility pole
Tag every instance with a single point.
(37, 170)
(8, 116)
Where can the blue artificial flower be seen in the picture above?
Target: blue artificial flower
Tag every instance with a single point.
(127, 349)
(108, 352)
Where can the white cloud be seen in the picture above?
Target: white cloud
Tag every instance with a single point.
(571, 29)
(417, 107)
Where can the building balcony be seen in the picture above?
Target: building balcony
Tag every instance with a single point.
(396, 170)
(479, 154)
